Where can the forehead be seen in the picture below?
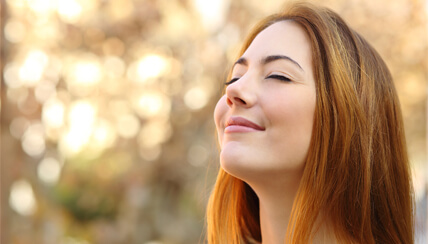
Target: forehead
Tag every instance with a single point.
(282, 38)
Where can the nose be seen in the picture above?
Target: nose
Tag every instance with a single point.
(241, 93)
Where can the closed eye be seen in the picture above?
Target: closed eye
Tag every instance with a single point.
(231, 81)
(279, 77)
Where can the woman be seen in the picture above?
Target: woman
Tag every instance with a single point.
(311, 137)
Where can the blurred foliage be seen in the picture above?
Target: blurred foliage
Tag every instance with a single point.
(106, 109)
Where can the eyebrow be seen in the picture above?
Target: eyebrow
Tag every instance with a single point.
(269, 59)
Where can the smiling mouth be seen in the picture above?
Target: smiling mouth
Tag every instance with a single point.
(239, 124)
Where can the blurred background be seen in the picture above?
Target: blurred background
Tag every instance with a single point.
(106, 110)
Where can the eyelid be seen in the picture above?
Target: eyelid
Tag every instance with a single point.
(231, 81)
(279, 77)
(272, 76)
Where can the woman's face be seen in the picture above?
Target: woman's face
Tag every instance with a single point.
(264, 121)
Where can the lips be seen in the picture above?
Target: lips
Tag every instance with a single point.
(239, 124)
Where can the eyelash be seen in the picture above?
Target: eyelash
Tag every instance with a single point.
(231, 81)
(277, 77)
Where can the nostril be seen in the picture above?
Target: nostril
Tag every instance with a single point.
(240, 100)
(229, 102)
(236, 101)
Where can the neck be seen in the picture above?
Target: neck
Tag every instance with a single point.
(275, 200)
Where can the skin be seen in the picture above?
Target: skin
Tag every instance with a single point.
(279, 96)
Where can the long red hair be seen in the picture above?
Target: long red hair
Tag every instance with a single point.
(357, 170)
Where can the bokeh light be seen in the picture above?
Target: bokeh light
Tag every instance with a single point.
(103, 135)
(22, 198)
(154, 133)
(128, 126)
(212, 13)
(41, 6)
(196, 98)
(53, 113)
(148, 68)
(14, 31)
(11, 75)
(151, 104)
(114, 67)
(18, 126)
(69, 10)
(33, 140)
(83, 74)
(86, 72)
(80, 121)
(33, 67)
(49, 170)
(44, 91)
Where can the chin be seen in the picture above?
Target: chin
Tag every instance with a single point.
(234, 162)
(246, 165)
(242, 165)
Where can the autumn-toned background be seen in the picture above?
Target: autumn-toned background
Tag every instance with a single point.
(106, 110)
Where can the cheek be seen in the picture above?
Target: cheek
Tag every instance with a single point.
(297, 105)
(295, 115)
(220, 112)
